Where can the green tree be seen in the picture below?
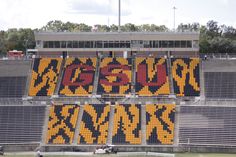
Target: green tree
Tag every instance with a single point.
(129, 27)
(55, 26)
(2, 43)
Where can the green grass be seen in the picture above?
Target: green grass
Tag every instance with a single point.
(177, 155)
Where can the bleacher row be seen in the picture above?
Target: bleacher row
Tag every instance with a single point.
(126, 126)
(114, 77)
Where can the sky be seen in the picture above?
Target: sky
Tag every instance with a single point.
(36, 13)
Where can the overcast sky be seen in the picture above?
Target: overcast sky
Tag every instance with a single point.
(36, 13)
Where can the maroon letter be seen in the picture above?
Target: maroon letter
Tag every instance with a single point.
(107, 71)
(86, 78)
(142, 75)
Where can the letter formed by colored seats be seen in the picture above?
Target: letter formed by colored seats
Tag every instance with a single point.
(62, 123)
(160, 123)
(127, 124)
(151, 77)
(78, 77)
(186, 78)
(45, 74)
(94, 124)
(115, 76)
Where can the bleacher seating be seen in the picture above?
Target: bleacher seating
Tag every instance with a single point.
(115, 76)
(13, 77)
(78, 77)
(44, 76)
(220, 85)
(160, 123)
(151, 77)
(127, 124)
(185, 73)
(94, 124)
(207, 125)
(14, 68)
(12, 86)
(21, 124)
(62, 123)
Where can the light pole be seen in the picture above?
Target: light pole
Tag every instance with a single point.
(119, 17)
(174, 8)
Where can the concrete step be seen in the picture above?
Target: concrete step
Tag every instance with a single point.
(45, 126)
(143, 124)
(77, 128)
(111, 123)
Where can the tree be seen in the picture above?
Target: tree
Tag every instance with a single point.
(55, 26)
(101, 28)
(113, 28)
(213, 29)
(2, 43)
(129, 27)
(83, 28)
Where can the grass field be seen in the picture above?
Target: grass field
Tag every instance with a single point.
(177, 155)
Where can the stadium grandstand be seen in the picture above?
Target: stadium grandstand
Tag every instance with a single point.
(138, 91)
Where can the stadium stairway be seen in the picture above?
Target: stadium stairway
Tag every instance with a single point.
(168, 61)
(133, 75)
(77, 129)
(60, 77)
(111, 123)
(95, 83)
(143, 124)
(176, 128)
(45, 126)
(28, 79)
(202, 81)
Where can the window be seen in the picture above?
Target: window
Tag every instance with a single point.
(88, 44)
(45, 44)
(57, 44)
(146, 44)
(177, 44)
(81, 44)
(171, 44)
(111, 44)
(69, 44)
(98, 44)
(75, 44)
(63, 44)
(163, 44)
(106, 44)
(189, 44)
(122, 44)
(127, 45)
(156, 44)
(51, 44)
(183, 43)
(117, 45)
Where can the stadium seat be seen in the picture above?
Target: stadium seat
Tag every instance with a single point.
(127, 124)
(62, 123)
(94, 124)
(78, 77)
(44, 76)
(115, 76)
(207, 125)
(160, 124)
(13, 78)
(151, 77)
(185, 73)
(21, 124)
